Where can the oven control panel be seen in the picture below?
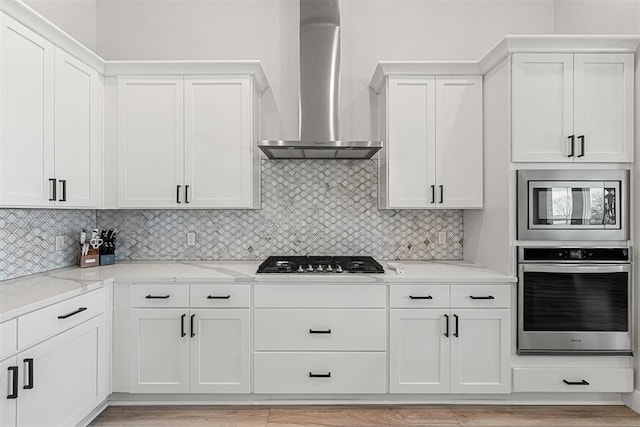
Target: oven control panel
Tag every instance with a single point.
(600, 254)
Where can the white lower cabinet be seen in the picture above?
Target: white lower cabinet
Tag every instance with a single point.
(450, 350)
(320, 372)
(9, 386)
(220, 351)
(182, 350)
(572, 379)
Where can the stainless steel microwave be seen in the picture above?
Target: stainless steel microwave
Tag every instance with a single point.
(573, 205)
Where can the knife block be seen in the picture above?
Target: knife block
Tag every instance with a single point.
(91, 259)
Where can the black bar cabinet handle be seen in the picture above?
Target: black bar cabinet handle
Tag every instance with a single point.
(178, 187)
(193, 334)
(319, 331)
(14, 382)
(182, 333)
(581, 138)
(572, 139)
(446, 332)
(29, 383)
(54, 189)
(186, 194)
(419, 297)
(73, 313)
(433, 194)
(64, 190)
(487, 297)
(583, 382)
(441, 193)
(312, 375)
(455, 334)
(218, 296)
(157, 296)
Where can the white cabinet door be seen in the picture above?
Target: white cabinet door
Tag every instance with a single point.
(220, 351)
(419, 351)
(542, 107)
(66, 379)
(480, 351)
(159, 351)
(9, 381)
(219, 142)
(26, 107)
(603, 108)
(77, 130)
(459, 142)
(150, 142)
(411, 145)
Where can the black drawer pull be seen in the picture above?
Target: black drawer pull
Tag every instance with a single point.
(193, 334)
(14, 382)
(182, 333)
(218, 297)
(487, 297)
(157, 296)
(583, 382)
(446, 333)
(80, 310)
(418, 297)
(319, 331)
(456, 334)
(312, 375)
(29, 383)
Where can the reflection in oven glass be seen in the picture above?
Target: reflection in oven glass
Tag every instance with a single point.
(574, 206)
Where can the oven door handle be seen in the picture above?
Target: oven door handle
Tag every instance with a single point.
(575, 268)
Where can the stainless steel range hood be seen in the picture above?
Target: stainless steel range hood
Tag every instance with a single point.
(319, 91)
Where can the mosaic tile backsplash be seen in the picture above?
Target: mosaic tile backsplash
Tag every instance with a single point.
(28, 236)
(320, 207)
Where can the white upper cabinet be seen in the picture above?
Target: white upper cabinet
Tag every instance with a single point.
(26, 105)
(572, 107)
(188, 142)
(220, 162)
(150, 142)
(77, 132)
(51, 124)
(432, 133)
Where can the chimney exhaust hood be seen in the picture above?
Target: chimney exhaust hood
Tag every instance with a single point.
(319, 91)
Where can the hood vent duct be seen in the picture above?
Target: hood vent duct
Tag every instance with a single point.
(319, 91)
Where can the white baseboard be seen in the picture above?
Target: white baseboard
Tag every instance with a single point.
(632, 400)
(101, 407)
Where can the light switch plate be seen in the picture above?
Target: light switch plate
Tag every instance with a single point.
(191, 238)
(442, 237)
(59, 243)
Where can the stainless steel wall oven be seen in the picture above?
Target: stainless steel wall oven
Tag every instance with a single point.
(574, 300)
(573, 205)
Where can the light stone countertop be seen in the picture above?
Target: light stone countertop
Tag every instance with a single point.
(21, 295)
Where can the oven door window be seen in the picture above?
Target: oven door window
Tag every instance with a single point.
(577, 302)
(566, 205)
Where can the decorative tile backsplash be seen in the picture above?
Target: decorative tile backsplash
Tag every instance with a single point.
(320, 207)
(28, 236)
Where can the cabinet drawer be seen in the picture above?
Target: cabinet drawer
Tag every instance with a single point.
(50, 320)
(481, 296)
(320, 329)
(417, 296)
(320, 296)
(583, 379)
(320, 373)
(159, 296)
(8, 338)
(208, 296)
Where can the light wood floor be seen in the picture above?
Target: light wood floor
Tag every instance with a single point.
(352, 416)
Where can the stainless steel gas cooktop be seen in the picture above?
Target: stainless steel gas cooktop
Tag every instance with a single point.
(320, 264)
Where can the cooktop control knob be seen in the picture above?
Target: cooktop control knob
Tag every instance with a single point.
(300, 269)
(338, 268)
(329, 269)
(320, 267)
(310, 268)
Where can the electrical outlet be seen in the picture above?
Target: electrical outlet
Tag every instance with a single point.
(191, 238)
(442, 237)
(59, 243)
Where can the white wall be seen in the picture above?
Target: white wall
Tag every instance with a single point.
(597, 16)
(76, 17)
